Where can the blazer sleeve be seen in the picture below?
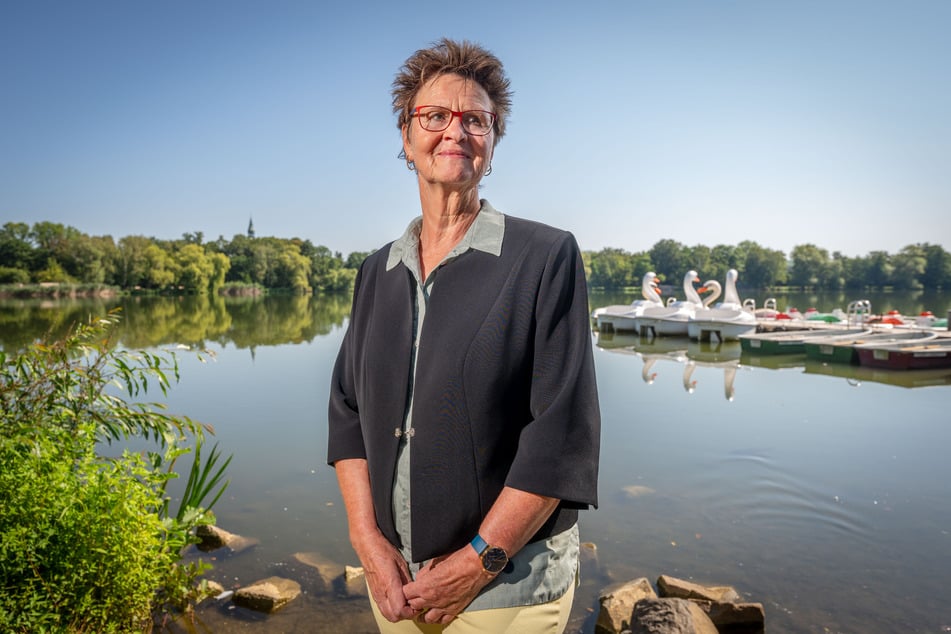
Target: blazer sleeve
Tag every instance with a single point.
(559, 449)
(345, 436)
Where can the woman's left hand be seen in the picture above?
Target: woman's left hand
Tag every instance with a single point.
(444, 586)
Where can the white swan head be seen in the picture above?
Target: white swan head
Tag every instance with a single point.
(690, 292)
(650, 290)
(731, 295)
(714, 289)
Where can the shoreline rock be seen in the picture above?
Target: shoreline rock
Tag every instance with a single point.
(213, 538)
(676, 607)
(267, 595)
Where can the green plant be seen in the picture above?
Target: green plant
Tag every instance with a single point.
(87, 543)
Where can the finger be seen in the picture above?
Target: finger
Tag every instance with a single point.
(398, 606)
(436, 616)
(411, 591)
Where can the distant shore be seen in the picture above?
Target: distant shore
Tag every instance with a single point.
(53, 290)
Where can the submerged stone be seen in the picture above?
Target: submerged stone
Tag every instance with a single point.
(267, 595)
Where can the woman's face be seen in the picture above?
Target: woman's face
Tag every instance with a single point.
(452, 158)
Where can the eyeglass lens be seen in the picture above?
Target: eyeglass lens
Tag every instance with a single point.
(437, 119)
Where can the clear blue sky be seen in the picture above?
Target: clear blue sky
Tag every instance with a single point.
(712, 122)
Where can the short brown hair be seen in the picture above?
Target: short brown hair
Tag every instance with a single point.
(458, 58)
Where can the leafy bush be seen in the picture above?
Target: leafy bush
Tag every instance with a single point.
(10, 275)
(88, 543)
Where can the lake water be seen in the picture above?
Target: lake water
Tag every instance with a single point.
(822, 492)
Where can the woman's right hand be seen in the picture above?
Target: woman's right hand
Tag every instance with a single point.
(386, 573)
(385, 568)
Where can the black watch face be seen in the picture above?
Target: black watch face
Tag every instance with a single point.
(494, 560)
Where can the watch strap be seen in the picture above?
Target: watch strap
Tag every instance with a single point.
(479, 544)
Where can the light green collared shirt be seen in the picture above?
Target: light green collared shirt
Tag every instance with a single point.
(541, 571)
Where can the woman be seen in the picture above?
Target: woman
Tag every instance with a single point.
(464, 425)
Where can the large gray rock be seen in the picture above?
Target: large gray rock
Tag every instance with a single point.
(670, 616)
(267, 595)
(617, 603)
(673, 587)
(325, 567)
(318, 574)
(746, 617)
(213, 538)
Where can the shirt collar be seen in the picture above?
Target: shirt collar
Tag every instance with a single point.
(484, 235)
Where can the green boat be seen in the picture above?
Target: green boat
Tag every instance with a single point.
(841, 348)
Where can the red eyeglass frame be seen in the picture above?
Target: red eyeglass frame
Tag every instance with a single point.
(455, 113)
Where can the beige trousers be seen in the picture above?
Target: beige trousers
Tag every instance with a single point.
(545, 618)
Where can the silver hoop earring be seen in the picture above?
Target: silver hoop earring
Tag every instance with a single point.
(410, 165)
(488, 171)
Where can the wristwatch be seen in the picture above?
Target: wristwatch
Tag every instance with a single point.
(493, 558)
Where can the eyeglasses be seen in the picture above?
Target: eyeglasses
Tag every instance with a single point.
(437, 119)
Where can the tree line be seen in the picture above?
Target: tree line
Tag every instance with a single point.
(53, 252)
(918, 266)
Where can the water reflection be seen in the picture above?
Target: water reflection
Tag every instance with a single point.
(659, 354)
(856, 375)
(195, 321)
(853, 375)
(820, 490)
(656, 351)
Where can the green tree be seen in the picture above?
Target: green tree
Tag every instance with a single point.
(161, 268)
(324, 266)
(611, 268)
(700, 258)
(9, 275)
(52, 240)
(88, 259)
(355, 259)
(764, 267)
(340, 280)
(16, 250)
(878, 269)
(835, 272)
(911, 263)
(239, 253)
(131, 263)
(220, 265)
(54, 273)
(809, 266)
(195, 268)
(722, 258)
(938, 269)
(290, 269)
(670, 258)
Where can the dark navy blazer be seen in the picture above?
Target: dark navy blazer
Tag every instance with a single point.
(505, 391)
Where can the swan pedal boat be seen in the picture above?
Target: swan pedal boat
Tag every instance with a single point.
(727, 320)
(671, 320)
(907, 355)
(842, 348)
(620, 317)
(726, 324)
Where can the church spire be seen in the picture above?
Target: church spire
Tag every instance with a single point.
(250, 227)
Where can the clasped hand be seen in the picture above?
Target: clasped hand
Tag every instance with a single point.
(444, 586)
